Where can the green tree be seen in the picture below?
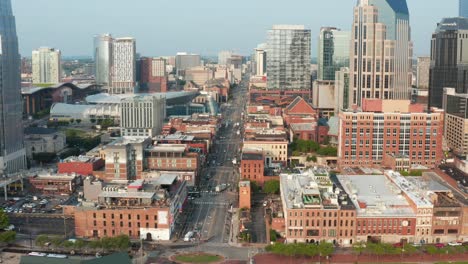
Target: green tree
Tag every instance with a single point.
(359, 248)
(432, 250)
(78, 121)
(273, 235)
(312, 158)
(72, 121)
(7, 236)
(272, 187)
(254, 187)
(4, 220)
(325, 249)
(93, 120)
(44, 157)
(41, 240)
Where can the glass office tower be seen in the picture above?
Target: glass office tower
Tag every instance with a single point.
(463, 8)
(288, 58)
(103, 58)
(333, 52)
(12, 152)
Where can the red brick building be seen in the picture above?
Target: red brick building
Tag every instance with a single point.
(365, 137)
(55, 184)
(245, 198)
(252, 166)
(153, 77)
(81, 165)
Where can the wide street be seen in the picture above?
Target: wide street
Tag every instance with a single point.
(210, 214)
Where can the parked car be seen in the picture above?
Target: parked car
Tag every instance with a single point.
(439, 245)
(398, 245)
(454, 243)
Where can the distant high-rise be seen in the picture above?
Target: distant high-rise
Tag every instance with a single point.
(289, 58)
(333, 52)
(463, 8)
(123, 75)
(449, 59)
(12, 152)
(260, 60)
(422, 73)
(184, 61)
(381, 51)
(103, 58)
(142, 116)
(46, 65)
(223, 56)
(153, 76)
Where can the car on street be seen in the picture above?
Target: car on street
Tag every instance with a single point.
(439, 245)
(454, 243)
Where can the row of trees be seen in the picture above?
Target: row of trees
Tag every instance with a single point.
(301, 250)
(388, 249)
(121, 242)
(6, 236)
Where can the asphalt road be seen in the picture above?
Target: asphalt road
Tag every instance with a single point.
(210, 214)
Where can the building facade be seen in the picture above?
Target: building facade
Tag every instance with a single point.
(333, 52)
(123, 75)
(462, 8)
(422, 73)
(449, 59)
(103, 58)
(153, 76)
(456, 121)
(223, 56)
(12, 152)
(289, 58)
(365, 137)
(261, 62)
(252, 166)
(184, 61)
(142, 116)
(46, 65)
(343, 93)
(381, 51)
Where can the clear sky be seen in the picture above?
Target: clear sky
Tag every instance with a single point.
(163, 27)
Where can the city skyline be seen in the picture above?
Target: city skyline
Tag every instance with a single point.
(203, 38)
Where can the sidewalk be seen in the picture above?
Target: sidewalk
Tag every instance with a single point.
(234, 230)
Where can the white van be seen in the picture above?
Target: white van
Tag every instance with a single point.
(188, 236)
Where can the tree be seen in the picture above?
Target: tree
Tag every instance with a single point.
(78, 121)
(312, 158)
(359, 247)
(41, 240)
(272, 187)
(44, 157)
(93, 120)
(325, 249)
(7, 236)
(273, 235)
(254, 187)
(72, 121)
(4, 220)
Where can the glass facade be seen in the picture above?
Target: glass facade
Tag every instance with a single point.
(288, 58)
(102, 58)
(463, 8)
(12, 152)
(333, 52)
(449, 60)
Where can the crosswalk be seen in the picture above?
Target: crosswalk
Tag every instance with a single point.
(211, 203)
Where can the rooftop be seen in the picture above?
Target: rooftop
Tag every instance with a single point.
(252, 156)
(39, 131)
(83, 159)
(180, 148)
(375, 195)
(303, 126)
(178, 137)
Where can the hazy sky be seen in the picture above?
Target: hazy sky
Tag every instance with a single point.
(163, 27)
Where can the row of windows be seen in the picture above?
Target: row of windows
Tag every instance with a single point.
(104, 223)
(330, 214)
(129, 216)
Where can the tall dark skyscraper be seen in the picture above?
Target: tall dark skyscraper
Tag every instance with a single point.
(463, 8)
(12, 152)
(449, 59)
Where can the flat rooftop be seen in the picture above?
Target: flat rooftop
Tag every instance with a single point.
(124, 194)
(127, 140)
(83, 159)
(375, 195)
(252, 156)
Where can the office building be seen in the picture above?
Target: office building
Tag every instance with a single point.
(223, 56)
(333, 52)
(343, 95)
(422, 73)
(199, 75)
(142, 116)
(390, 127)
(46, 65)
(103, 58)
(289, 58)
(381, 51)
(449, 59)
(123, 76)
(463, 8)
(456, 121)
(184, 61)
(260, 62)
(12, 152)
(153, 76)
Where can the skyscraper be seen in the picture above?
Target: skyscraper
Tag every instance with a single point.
(422, 73)
(12, 152)
(463, 8)
(103, 58)
(184, 61)
(381, 50)
(260, 62)
(123, 66)
(46, 65)
(223, 56)
(333, 52)
(449, 59)
(288, 60)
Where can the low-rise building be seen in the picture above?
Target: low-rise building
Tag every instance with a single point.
(55, 184)
(252, 165)
(143, 210)
(316, 211)
(245, 198)
(40, 140)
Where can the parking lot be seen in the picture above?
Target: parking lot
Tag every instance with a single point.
(40, 204)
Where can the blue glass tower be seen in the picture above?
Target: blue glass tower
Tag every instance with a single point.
(12, 152)
(463, 8)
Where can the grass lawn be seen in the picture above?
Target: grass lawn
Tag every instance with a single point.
(198, 258)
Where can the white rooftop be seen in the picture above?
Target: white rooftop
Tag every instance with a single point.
(375, 195)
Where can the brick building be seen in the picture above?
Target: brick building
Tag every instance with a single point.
(365, 137)
(153, 76)
(245, 198)
(314, 211)
(82, 165)
(55, 184)
(144, 210)
(252, 166)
